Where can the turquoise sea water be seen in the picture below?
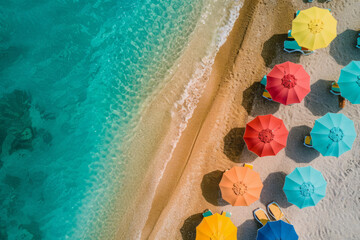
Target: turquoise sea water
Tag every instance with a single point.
(73, 76)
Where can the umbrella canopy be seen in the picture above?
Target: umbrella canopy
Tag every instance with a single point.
(305, 187)
(333, 134)
(217, 227)
(265, 135)
(288, 83)
(349, 82)
(240, 186)
(314, 28)
(277, 230)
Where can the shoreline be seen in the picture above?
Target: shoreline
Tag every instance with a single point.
(221, 69)
(174, 169)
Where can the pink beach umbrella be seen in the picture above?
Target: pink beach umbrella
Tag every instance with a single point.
(288, 83)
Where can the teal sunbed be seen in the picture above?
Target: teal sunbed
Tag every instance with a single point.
(226, 214)
(335, 89)
(308, 142)
(207, 213)
(289, 34)
(263, 80)
(291, 46)
(265, 94)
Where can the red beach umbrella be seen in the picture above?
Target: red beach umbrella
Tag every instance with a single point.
(266, 135)
(288, 83)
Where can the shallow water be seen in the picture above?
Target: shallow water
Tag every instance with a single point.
(74, 77)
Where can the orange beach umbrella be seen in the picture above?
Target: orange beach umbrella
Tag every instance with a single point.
(240, 186)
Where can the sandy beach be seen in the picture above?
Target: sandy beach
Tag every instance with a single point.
(213, 140)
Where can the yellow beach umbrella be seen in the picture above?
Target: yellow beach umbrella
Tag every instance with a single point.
(216, 227)
(314, 28)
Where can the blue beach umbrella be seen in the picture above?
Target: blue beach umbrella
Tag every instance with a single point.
(333, 134)
(349, 82)
(277, 230)
(305, 187)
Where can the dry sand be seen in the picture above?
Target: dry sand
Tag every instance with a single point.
(213, 141)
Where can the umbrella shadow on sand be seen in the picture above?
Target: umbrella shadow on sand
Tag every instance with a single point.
(273, 51)
(235, 148)
(273, 190)
(343, 49)
(295, 148)
(247, 230)
(255, 104)
(188, 230)
(210, 188)
(320, 101)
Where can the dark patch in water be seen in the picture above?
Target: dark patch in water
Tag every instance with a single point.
(9, 55)
(18, 145)
(33, 228)
(2, 138)
(16, 131)
(15, 120)
(45, 135)
(37, 178)
(14, 111)
(3, 233)
(12, 181)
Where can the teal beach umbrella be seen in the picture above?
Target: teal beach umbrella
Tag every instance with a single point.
(349, 82)
(333, 134)
(305, 187)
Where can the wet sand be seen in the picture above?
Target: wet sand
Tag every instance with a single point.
(213, 141)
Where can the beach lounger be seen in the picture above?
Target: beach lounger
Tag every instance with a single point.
(335, 89)
(226, 214)
(342, 102)
(290, 46)
(275, 212)
(263, 81)
(261, 216)
(289, 35)
(358, 41)
(308, 142)
(207, 213)
(267, 95)
(248, 165)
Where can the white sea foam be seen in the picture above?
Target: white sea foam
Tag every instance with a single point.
(186, 105)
